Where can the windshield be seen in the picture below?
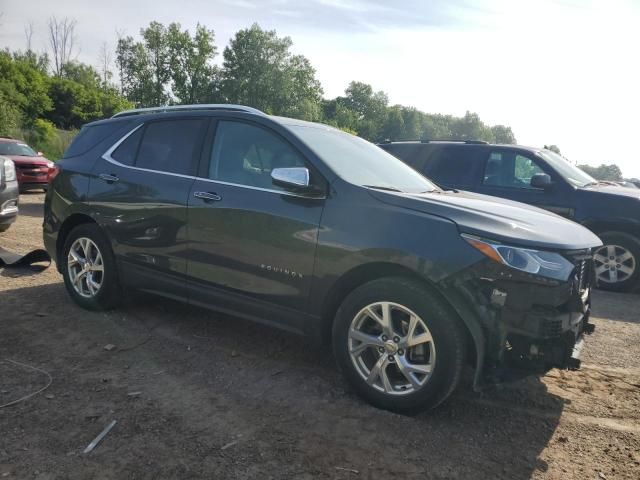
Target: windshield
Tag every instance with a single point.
(566, 170)
(361, 163)
(11, 148)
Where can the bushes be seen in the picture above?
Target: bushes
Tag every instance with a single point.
(45, 138)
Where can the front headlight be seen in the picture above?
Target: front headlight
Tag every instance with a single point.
(537, 262)
(7, 170)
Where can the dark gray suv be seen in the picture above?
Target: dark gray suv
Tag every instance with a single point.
(319, 232)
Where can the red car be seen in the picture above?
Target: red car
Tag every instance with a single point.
(34, 171)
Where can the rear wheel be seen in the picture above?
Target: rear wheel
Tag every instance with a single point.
(90, 273)
(398, 345)
(616, 262)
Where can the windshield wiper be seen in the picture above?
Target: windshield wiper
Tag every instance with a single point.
(379, 187)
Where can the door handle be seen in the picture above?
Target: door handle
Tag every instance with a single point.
(108, 178)
(208, 196)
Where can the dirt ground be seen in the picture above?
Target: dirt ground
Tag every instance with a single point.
(200, 395)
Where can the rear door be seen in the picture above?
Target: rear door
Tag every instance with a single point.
(507, 174)
(139, 193)
(247, 236)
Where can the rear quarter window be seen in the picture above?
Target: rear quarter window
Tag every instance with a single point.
(454, 165)
(412, 154)
(90, 136)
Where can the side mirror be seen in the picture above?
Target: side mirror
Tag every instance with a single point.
(541, 180)
(293, 178)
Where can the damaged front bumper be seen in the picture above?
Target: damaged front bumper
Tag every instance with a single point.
(523, 323)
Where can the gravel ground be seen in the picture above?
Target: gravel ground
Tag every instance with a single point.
(200, 395)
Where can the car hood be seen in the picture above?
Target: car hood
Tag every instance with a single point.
(611, 190)
(25, 159)
(495, 218)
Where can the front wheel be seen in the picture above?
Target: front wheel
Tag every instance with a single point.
(399, 345)
(89, 269)
(616, 262)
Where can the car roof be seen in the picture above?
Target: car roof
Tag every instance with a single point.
(462, 144)
(10, 140)
(143, 116)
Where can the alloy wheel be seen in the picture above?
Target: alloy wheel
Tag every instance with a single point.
(85, 267)
(391, 348)
(614, 264)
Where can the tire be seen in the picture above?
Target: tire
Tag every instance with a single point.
(620, 274)
(4, 228)
(445, 354)
(107, 296)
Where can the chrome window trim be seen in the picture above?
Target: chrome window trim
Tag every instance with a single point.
(107, 156)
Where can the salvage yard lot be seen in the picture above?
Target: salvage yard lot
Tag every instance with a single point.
(197, 394)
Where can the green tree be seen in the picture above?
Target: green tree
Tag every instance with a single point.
(503, 134)
(24, 86)
(553, 148)
(145, 68)
(603, 172)
(369, 107)
(192, 72)
(470, 127)
(259, 70)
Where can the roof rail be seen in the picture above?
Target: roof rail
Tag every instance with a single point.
(468, 142)
(186, 108)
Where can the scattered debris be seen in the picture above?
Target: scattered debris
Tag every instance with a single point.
(351, 470)
(234, 353)
(49, 396)
(134, 394)
(229, 445)
(109, 346)
(97, 440)
(41, 314)
(49, 382)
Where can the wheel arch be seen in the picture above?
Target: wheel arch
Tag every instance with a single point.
(613, 226)
(362, 274)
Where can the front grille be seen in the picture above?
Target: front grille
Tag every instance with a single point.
(29, 166)
(552, 327)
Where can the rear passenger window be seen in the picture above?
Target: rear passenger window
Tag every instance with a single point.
(126, 151)
(171, 146)
(452, 166)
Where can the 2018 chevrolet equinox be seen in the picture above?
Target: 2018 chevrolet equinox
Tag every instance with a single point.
(316, 231)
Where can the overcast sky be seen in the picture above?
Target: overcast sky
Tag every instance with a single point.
(562, 72)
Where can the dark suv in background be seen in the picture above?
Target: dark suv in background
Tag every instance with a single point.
(544, 179)
(319, 232)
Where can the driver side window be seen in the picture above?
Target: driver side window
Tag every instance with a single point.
(510, 169)
(246, 154)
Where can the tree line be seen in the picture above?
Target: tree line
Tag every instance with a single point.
(169, 65)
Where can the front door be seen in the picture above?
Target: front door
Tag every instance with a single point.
(508, 174)
(247, 236)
